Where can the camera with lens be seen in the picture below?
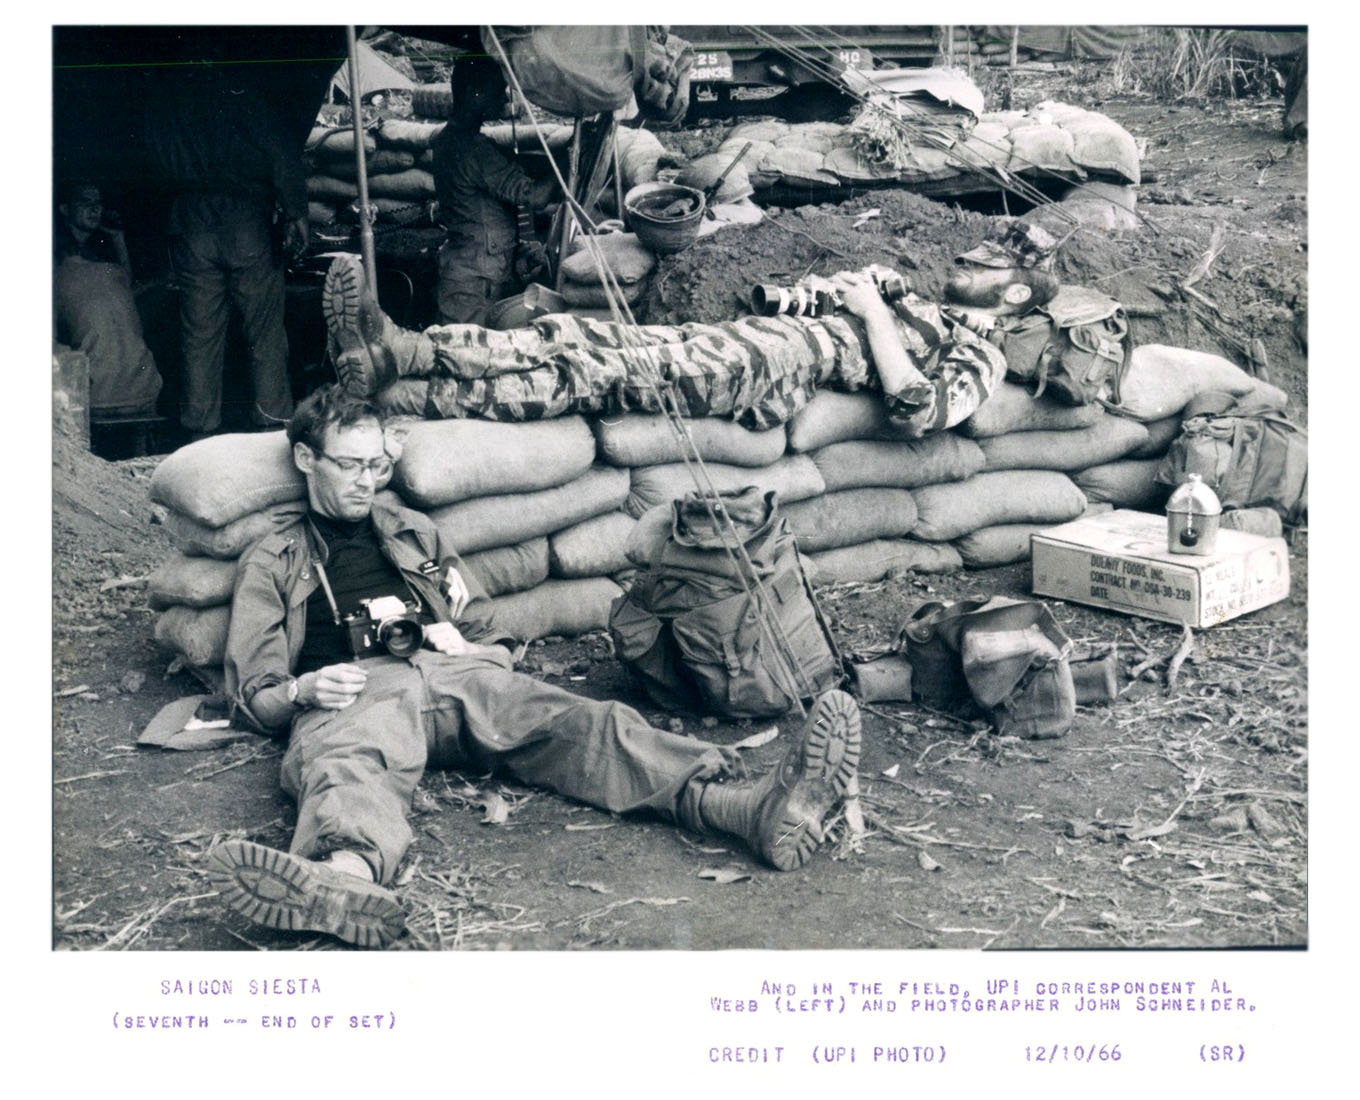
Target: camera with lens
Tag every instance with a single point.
(385, 623)
(770, 299)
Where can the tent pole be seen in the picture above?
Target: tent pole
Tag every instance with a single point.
(356, 100)
(618, 175)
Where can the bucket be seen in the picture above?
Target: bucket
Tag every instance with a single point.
(664, 233)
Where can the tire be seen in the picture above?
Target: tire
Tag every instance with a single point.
(432, 101)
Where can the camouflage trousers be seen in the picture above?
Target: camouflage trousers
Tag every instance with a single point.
(757, 370)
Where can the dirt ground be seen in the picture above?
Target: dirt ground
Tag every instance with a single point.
(1176, 817)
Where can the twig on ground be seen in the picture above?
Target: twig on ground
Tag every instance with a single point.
(1173, 668)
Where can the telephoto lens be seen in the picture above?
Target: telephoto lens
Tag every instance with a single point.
(769, 300)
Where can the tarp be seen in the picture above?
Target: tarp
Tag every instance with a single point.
(375, 74)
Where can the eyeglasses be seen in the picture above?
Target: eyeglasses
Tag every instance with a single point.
(354, 467)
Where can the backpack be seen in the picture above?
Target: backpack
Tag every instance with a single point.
(1246, 452)
(1007, 657)
(690, 630)
(1076, 347)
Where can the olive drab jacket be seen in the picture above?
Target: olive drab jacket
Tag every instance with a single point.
(278, 574)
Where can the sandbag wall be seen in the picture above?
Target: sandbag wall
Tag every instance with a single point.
(399, 155)
(1049, 139)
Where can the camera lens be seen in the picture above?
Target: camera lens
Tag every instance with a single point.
(402, 635)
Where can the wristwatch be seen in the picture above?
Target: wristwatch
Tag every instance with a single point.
(293, 689)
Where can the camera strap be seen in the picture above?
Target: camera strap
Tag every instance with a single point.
(326, 587)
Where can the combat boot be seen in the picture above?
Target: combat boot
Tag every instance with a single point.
(369, 349)
(783, 815)
(282, 890)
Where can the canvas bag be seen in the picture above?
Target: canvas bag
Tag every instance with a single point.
(1009, 657)
(689, 630)
(1247, 453)
(1075, 348)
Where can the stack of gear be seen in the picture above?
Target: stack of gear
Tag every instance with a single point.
(725, 614)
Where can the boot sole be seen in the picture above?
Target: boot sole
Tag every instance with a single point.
(817, 776)
(280, 890)
(341, 303)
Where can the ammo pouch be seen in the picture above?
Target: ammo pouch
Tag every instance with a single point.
(1246, 452)
(1009, 657)
(690, 629)
(1076, 347)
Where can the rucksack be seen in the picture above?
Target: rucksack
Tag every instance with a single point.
(690, 629)
(1007, 657)
(1075, 348)
(1246, 452)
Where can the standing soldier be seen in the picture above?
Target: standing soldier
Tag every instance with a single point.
(223, 153)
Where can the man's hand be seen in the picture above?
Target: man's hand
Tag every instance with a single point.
(445, 638)
(458, 592)
(860, 294)
(331, 688)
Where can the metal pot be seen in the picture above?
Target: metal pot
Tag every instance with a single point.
(1192, 518)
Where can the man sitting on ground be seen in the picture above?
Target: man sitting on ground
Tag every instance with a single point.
(363, 724)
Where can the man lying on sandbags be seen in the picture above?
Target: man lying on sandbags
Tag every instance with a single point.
(325, 647)
(933, 370)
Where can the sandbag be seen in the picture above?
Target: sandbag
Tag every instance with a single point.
(636, 439)
(627, 257)
(594, 296)
(902, 464)
(336, 142)
(850, 516)
(401, 133)
(232, 540)
(794, 164)
(702, 172)
(1162, 380)
(199, 636)
(727, 214)
(851, 166)
(1130, 483)
(832, 417)
(1099, 144)
(445, 461)
(639, 154)
(793, 478)
(383, 162)
(1013, 408)
(1006, 543)
(222, 478)
(597, 547)
(413, 183)
(1038, 146)
(194, 582)
(951, 510)
(484, 522)
(1110, 438)
(321, 186)
(1100, 205)
(988, 144)
(505, 569)
(321, 213)
(566, 607)
(876, 559)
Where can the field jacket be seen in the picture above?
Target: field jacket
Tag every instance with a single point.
(278, 574)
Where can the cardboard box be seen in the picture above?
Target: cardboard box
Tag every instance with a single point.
(1119, 560)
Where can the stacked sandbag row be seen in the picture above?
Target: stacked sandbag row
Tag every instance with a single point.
(551, 515)
(221, 495)
(399, 156)
(1052, 138)
(586, 287)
